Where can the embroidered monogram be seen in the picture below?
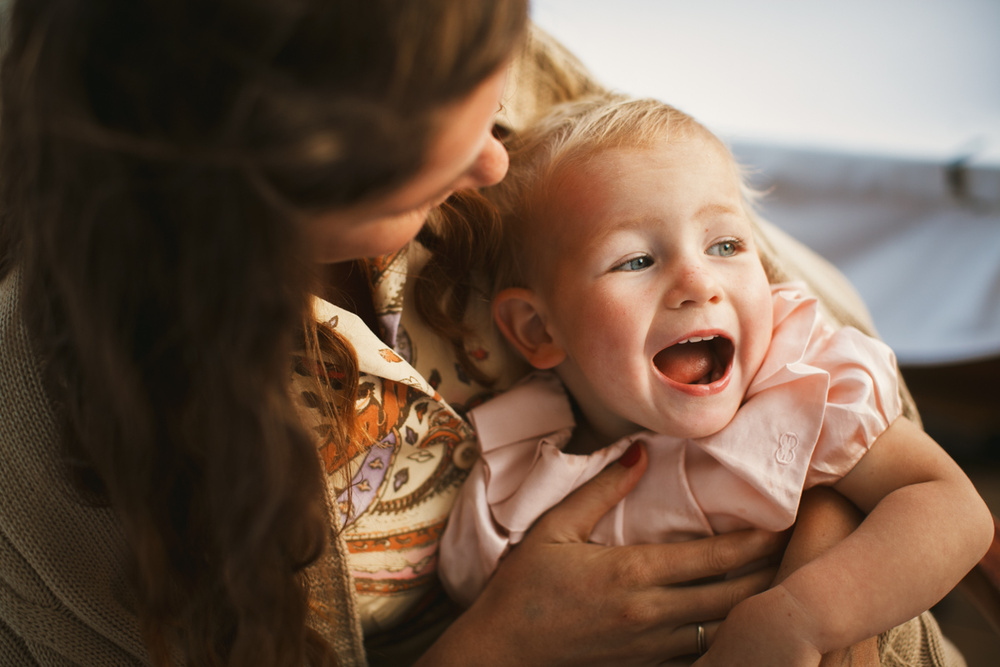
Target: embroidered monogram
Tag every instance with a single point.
(787, 443)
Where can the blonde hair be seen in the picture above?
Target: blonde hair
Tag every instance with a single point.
(572, 134)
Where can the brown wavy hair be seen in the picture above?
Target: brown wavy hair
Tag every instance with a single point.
(156, 160)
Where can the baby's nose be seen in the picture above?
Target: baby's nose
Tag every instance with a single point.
(693, 285)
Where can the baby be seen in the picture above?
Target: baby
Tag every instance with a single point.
(629, 275)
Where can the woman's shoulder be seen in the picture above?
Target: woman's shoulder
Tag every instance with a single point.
(26, 412)
(63, 561)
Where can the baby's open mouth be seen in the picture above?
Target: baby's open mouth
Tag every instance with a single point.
(696, 360)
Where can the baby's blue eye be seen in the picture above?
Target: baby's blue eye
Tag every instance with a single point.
(726, 248)
(635, 264)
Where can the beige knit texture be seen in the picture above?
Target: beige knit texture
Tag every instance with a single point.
(64, 596)
(63, 592)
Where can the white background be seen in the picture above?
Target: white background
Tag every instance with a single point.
(905, 76)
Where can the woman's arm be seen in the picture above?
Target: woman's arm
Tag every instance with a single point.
(557, 600)
(926, 528)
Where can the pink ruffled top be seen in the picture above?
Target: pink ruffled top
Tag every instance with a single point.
(821, 398)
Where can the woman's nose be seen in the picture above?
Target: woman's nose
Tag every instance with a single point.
(693, 285)
(490, 166)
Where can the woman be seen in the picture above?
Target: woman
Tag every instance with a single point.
(173, 175)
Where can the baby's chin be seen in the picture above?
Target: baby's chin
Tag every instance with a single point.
(706, 423)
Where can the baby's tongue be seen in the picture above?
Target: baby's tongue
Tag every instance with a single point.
(687, 363)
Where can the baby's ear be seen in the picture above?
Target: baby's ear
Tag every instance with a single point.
(518, 315)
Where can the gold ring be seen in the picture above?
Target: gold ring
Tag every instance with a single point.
(702, 644)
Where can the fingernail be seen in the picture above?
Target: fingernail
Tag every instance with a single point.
(631, 455)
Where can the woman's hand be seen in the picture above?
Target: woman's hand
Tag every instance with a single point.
(556, 599)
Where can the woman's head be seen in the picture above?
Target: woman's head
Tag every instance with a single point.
(160, 163)
(316, 106)
(462, 154)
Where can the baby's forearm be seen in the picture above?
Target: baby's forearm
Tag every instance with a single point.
(916, 544)
(926, 528)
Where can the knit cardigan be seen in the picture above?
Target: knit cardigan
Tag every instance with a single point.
(64, 592)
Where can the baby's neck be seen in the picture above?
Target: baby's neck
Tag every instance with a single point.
(602, 425)
(586, 439)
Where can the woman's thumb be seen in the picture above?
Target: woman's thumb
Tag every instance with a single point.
(573, 519)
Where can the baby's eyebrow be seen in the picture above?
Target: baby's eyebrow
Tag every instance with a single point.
(715, 209)
(618, 225)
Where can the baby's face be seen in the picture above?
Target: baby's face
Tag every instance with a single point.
(654, 288)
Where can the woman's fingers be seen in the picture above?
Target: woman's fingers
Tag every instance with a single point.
(685, 640)
(708, 628)
(709, 601)
(573, 519)
(681, 562)
(572, 603)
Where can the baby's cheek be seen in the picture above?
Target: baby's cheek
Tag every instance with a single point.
(759, 330)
